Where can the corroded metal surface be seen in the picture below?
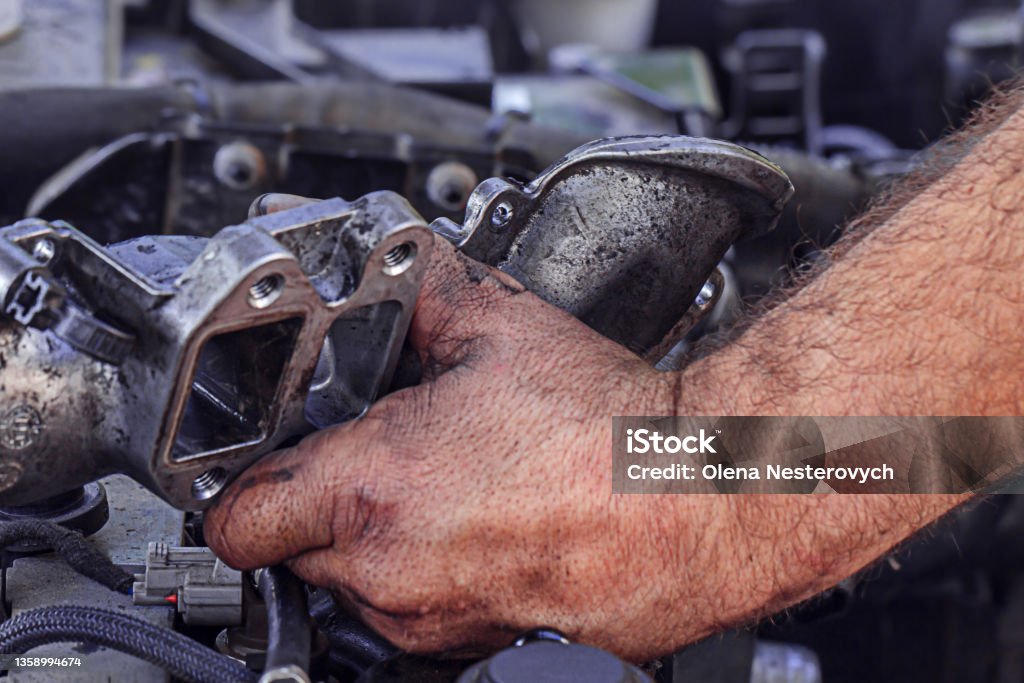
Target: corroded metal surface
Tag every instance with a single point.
(228, 346)
(623, 233)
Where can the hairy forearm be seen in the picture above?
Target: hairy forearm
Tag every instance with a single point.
(920, 313)
(755, 555)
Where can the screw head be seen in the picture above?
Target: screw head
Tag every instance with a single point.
(706, 295)
(502, 215)
(44, 250)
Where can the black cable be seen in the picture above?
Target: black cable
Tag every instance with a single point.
(72, 547)
(289, 631)
(180, 656)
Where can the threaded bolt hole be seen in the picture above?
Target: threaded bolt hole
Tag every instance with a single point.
(398, 259)
(209, 483)
(265, 291)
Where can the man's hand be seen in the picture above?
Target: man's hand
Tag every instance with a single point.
(466, 510)
(461, 512)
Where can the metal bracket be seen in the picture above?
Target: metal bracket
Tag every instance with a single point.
(624, 233)
(232, 345)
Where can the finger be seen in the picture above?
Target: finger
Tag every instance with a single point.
(459, 302)
(284, 505)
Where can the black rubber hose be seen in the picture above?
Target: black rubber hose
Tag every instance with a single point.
(72, 548)
(289, 632)
(180, 656)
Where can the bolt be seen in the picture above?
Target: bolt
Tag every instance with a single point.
(450, 184)
(44, 250)
(502, 215)
(707, 293)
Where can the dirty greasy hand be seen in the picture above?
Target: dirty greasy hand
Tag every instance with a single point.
(461, 512)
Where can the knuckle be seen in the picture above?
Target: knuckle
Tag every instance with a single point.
(369, 517)
(457, 283)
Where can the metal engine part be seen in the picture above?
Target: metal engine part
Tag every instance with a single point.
(624, 233)
(181, 360)
(194, 176)
(548, 662)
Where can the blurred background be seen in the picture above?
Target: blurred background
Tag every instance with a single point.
(840, 94)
